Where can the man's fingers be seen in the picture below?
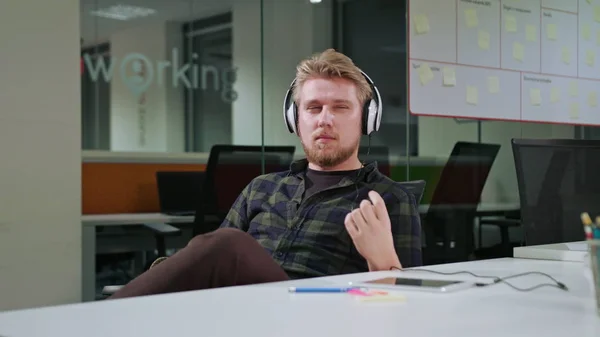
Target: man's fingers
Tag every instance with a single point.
(351, 226)
(358, 218)
(368, 212)
(379, 205)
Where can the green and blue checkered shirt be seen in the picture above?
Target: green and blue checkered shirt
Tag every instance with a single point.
(307, 237)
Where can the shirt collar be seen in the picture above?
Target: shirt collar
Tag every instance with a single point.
(369, 171)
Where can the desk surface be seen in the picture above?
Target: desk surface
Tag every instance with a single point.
(269, 310)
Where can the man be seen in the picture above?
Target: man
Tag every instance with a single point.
(329, 214)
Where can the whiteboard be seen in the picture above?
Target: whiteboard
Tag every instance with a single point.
(516, 60)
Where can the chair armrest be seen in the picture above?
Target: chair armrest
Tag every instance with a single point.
(163, 229)
(501, 222)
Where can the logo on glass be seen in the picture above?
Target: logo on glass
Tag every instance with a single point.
(139, 72)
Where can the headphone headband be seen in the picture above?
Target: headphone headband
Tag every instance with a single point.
(372, 109)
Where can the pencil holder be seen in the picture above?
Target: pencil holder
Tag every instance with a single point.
(594, 261)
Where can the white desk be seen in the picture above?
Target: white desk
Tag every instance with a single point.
(269, 310)
(571, 251)
(89, 224)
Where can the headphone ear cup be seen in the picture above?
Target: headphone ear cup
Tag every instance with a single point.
(370, 117)
(291, 118)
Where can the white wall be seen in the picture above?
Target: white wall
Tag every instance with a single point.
(293, 30)
(40, 145)
(151, 119)
(437, 137)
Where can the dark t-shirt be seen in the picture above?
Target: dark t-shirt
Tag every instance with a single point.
(319, 180)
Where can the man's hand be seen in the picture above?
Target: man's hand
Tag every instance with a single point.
(370, 229)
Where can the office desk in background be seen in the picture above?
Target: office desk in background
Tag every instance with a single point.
(270, 310)
(89, 224)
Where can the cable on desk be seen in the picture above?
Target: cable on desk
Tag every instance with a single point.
(498, 280)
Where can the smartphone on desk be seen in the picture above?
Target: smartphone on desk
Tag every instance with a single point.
(404, 283)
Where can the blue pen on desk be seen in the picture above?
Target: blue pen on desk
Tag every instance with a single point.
(320, 289)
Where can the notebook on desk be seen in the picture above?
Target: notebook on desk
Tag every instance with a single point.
(179, 192)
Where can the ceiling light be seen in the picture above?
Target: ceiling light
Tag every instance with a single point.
(315, 1)
(123, 12)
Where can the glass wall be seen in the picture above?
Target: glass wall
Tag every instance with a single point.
(183, 75)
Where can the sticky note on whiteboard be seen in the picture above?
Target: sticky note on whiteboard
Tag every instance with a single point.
(531, 33)
(511, 24)
(472, 95)
(449, 76)
(598, 37)
(593, 99)
(425, 73)
(574, 110)
(421, 24)
(484, 40)
(554, 95)
(471, 18)
(552, 31)
(573, 89)
(566, 55)
(493, 84)
(590, 58)
(586, 31)
(518, 51)
(597, 13)
(535, 96)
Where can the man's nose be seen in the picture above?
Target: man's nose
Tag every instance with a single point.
(325, 117)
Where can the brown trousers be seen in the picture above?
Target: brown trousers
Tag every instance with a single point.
(225, 257)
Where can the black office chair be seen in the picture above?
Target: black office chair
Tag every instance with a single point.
(229, 170)
(448, 224)
(558, 179)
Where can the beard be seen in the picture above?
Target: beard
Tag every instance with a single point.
(328, 155)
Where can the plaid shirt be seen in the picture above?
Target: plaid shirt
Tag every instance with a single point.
(308, 237)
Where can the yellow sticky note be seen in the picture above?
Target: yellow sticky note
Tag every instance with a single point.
(471, 18)
(425, 73)
(590, 58)
(518, 51)
(535, 96)
(566, 55)
(573, 89)
(586, 31)
(449, 76)
(589, 1)
(484, 40)
(421, 24)
(472, 95)
(597, 13)
(511, 24)
(574, 110)
(531, 32)
(554, 95)
(552, 31)
(593, 99)
(493, 84)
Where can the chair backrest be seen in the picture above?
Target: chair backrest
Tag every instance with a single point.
(230, 169)
(464, 176)
(381, 154)
(448, 224)
(179, 191)
(558, 179)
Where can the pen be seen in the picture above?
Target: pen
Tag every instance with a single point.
(320, 290)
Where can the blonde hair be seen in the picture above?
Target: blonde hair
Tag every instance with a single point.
(331, 64)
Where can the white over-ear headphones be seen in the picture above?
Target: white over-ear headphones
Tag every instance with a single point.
(371, 118)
